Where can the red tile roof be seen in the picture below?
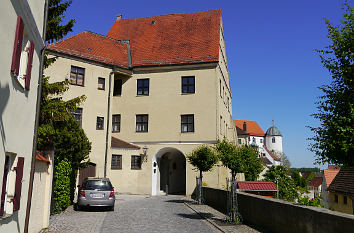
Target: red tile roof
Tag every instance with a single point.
(334, 167)
(329, 175)
(252, 127)
(343, 182)
(118, 143)
(271, 154)
(171, 39)
(315, 182)
(95, 47)
(256, 186)
(41, 157)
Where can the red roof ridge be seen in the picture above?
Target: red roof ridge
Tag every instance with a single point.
(253, 128)
(175, 14)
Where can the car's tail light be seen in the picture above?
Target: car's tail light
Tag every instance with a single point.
(82, 192)
(112, 193)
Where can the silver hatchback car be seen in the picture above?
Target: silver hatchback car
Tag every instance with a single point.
(96, 192)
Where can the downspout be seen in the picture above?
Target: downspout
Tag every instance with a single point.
(108, 116)
(35, 133)
(127, 42)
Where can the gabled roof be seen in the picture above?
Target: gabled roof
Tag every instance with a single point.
(271, 154)
(252, 128)
(256, 186)
(171, 39)
(343, 182)
(315, 182)
(95, 47)
(329, 175)
(118, 143)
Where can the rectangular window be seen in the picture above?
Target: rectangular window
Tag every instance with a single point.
(335, 198)
(77, 75)
(117, 89)
(221, 125)
(261, 140)
(142, 123)
(143, 86)
(116, 163)
(116, 123)
(101, 84)
(188, 84)
(187, 123)
(220, 88)
(77, 114)
(136, 162)
(4, 190)
(345, 201)
(99, 123)
(239, 141)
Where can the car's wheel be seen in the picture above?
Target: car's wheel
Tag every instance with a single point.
(77, 207)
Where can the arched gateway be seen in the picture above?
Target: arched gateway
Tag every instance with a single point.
(169, 172)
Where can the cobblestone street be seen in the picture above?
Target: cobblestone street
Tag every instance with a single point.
(133, 213)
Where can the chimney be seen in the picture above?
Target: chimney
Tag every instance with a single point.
(120, 16)
(245, 126)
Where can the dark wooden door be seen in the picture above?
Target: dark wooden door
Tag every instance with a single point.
(90, 171)
(4, 182)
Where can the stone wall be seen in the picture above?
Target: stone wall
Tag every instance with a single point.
(276, 216)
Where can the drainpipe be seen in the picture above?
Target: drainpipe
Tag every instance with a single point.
(38, 105)
(108, 116)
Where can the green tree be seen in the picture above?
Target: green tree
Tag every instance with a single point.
(252, 165)
(203, 159)
(333, 141)
(57, 127)
(231, 157)
(56, 30)
(286, 185)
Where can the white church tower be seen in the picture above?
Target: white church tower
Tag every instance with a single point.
(274, 140)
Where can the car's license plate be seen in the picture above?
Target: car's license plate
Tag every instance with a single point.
(96, 195)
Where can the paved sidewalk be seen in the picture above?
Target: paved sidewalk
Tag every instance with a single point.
(217, 218)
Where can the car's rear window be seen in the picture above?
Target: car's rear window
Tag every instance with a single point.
(97, 184)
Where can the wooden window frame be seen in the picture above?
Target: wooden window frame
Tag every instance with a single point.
(115, 122)
(143, 86)
(141, 124)
(99, 126)
(74, 75)
(135, 162)
(187, 120)
(116, 162)
(103, 83)
(117, 91)
(188, 84)
(77, 113)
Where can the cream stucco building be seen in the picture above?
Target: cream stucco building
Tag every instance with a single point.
(156, 88)
(22, 44)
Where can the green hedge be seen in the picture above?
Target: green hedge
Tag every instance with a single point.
(61, 186)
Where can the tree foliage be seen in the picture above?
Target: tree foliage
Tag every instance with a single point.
(252, 165)
(286, 185)
(203, 158)
(241, 159)
(229, 156)
(334, 138)
(56, 30)
(57, 127)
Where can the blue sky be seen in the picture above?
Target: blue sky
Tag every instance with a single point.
(274, 71)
